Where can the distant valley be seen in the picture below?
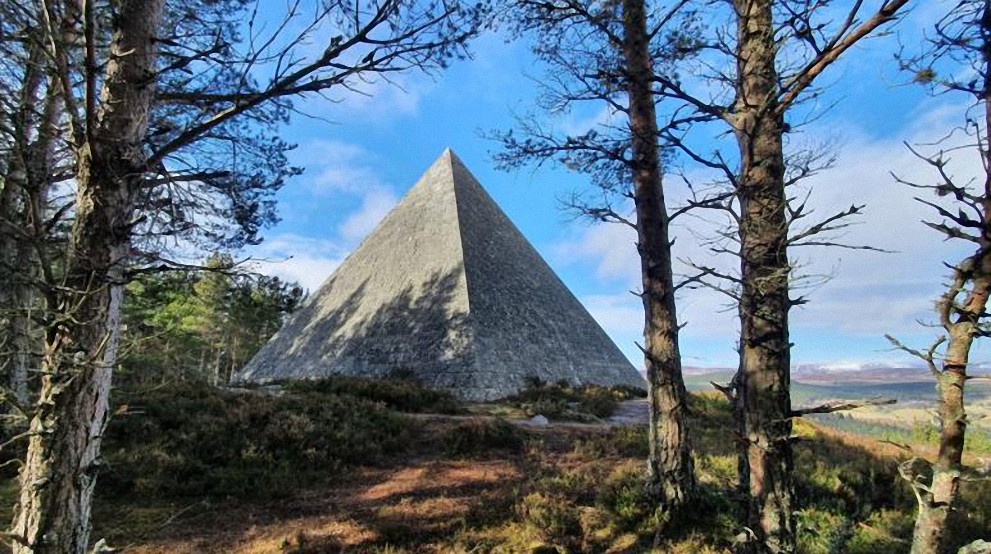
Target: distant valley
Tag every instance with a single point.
(913, 388)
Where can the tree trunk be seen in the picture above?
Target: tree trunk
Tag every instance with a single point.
(961, 323)
(22, 343)
(63, 458)
(16, 297)
(11, 318)
(670, 462)
(765, 357)
(937, 503)
(36, 161)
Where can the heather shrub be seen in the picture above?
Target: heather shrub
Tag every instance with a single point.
(195, 440)
(399, 391)
(625, 496)
(884, 532)
(556, 517)
(565, 402)
(822, 531)
(481, 437)
(628, 442)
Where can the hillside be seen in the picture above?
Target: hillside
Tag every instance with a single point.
(913, 389)
(346, 467)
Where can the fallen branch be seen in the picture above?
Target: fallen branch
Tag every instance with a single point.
(727, 390)
(900, 445)
(840, 406)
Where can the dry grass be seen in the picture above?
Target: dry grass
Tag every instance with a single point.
(418, 502)
(568, 488)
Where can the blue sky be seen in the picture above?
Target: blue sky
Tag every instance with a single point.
(365, 152)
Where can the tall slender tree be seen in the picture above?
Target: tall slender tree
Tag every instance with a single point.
(670, 462)
(960, 44)
(769, 62)
(112, 62)
(763, 387)
(606, 53)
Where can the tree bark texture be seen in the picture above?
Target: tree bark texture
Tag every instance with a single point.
(936, 504)
(63, 458)
(37, 160)
(765, 359)
(27, 168)
(670, 460)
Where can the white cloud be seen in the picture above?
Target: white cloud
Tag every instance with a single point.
(374, 207)
(381, 98)
(578, 122)
(335, 167)
(292, 257)
(868, 293)
(611, 249)
(621, 314)
(374, 99)
(349, 174)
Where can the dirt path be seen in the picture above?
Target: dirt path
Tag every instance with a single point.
(420, 502)
(631, 412)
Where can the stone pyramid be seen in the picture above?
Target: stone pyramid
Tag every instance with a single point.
(448, 288)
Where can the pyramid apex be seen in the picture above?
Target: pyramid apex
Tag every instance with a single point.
(448, 155)
(447, 168)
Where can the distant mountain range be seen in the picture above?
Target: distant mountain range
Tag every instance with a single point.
(866, 374)
(846, 373)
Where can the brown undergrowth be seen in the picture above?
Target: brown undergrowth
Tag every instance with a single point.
(468, 483)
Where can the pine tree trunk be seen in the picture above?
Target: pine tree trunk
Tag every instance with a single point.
(63, 458)
(36, 159)
(22, 343)
(16, 296)
(670, 462)
(9, 312)
(765, 357)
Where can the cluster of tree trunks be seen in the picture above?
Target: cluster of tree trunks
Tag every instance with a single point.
(59, 473)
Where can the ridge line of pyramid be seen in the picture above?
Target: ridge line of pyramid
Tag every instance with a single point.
(472, 308)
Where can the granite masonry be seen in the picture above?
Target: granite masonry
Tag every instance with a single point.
(448, 288)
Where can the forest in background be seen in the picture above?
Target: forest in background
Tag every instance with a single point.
(200, 325)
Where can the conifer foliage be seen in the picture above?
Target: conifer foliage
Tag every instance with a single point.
(164, 124)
